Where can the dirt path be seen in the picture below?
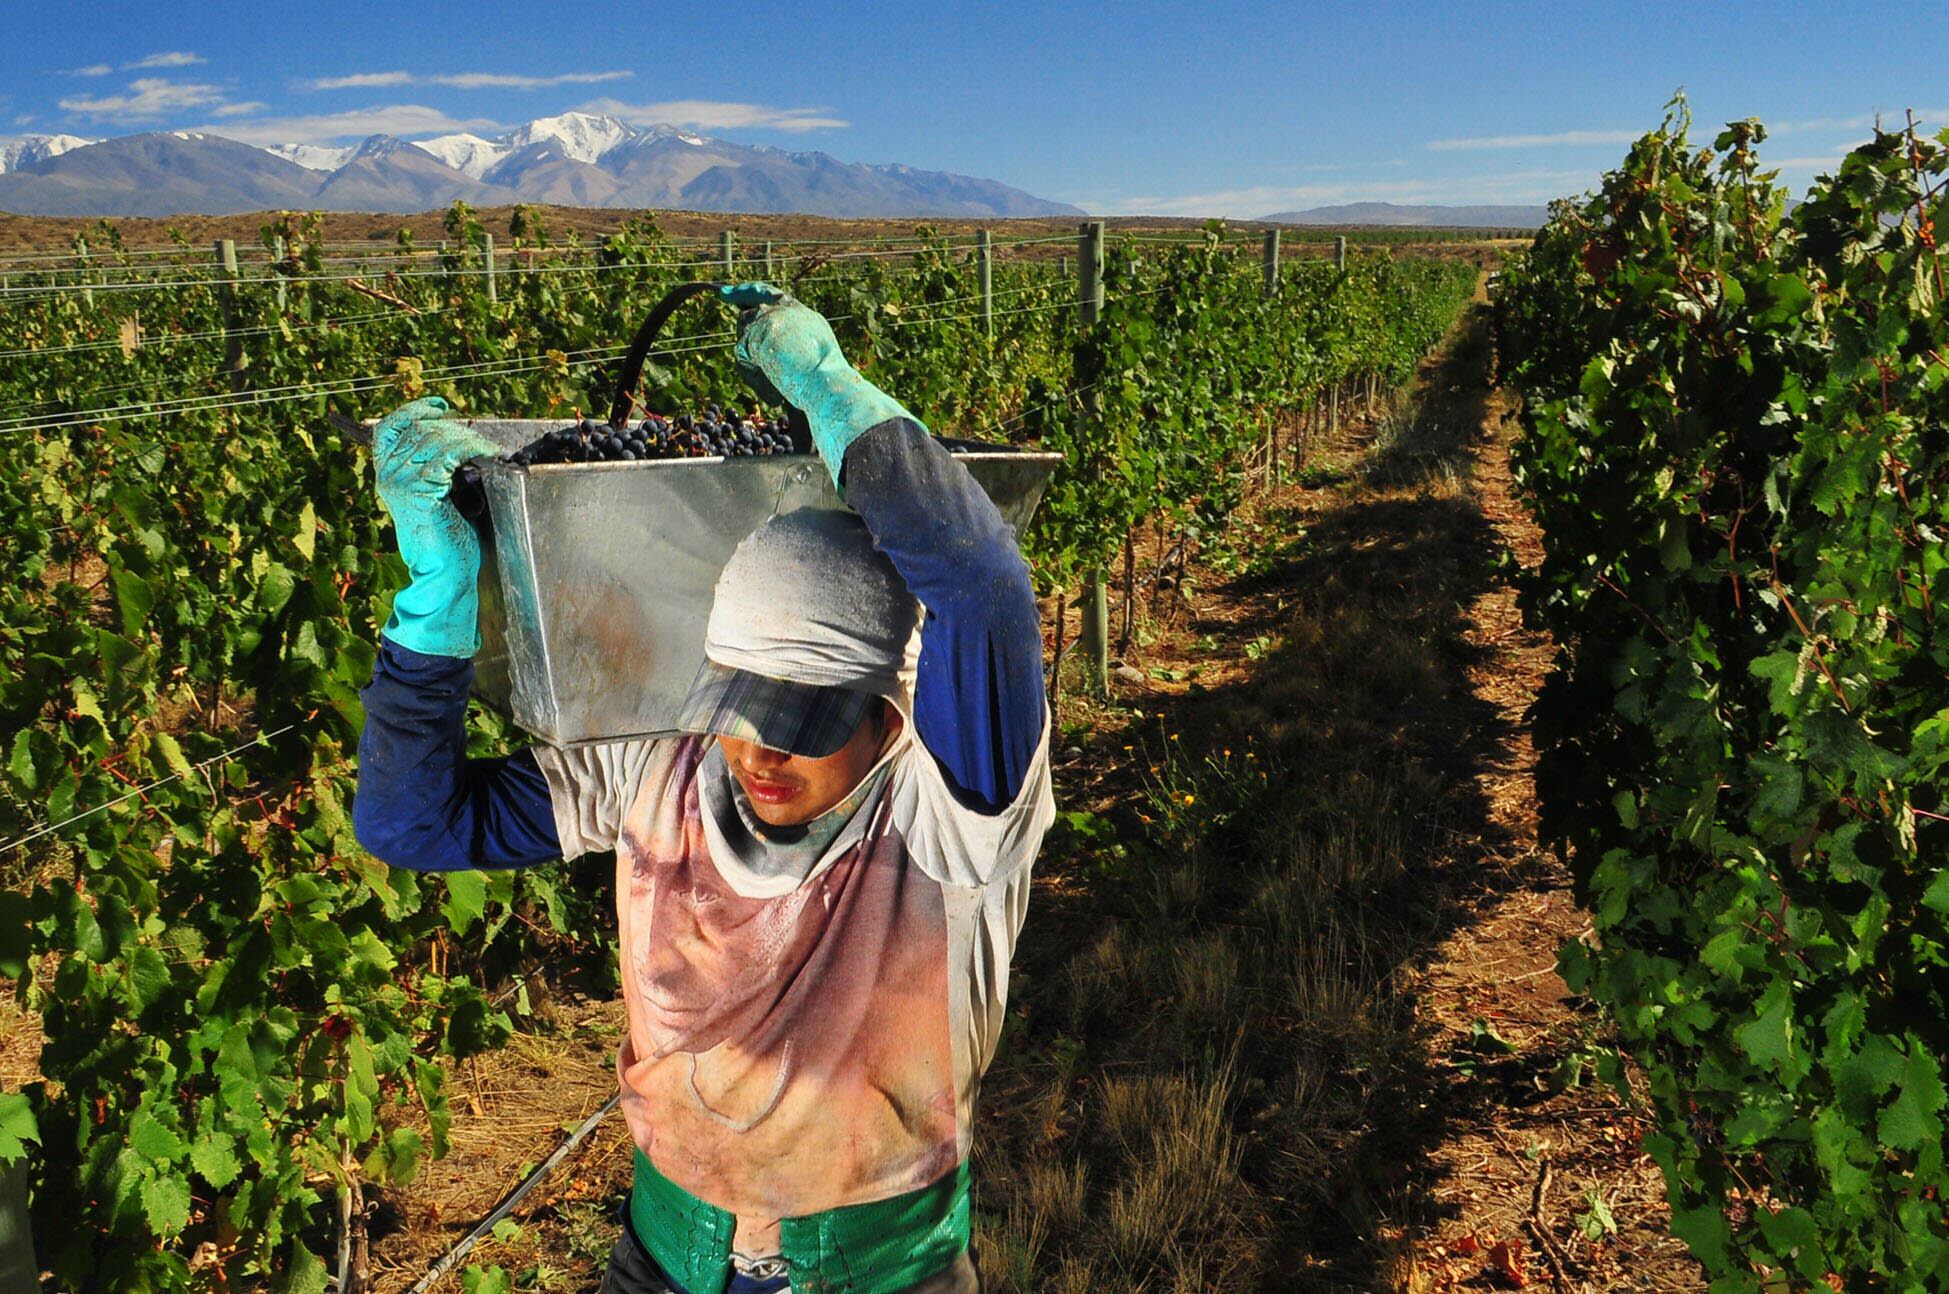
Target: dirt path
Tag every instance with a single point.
(1536, 1169)
(1362, 620)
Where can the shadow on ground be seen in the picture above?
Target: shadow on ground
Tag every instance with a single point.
(1212, 1077)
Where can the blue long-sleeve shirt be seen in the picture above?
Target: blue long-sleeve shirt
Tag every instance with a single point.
(978, 698)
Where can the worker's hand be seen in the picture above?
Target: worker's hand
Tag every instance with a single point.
(791, 347)
(748, 296)
(415, 451)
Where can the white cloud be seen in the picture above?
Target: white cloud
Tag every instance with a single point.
(504, 81)
(147, 99)
(93, 69)
(241, 109)
(168, 58)
(462, 80)
(1561, 138)
(1521, 187)
(1891, 121)
(358, 81)
(1701, 132)
(708, 114)
(325, 128)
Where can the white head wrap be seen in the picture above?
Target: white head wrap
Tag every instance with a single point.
(807, 597)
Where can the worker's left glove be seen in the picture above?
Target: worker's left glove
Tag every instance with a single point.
(415, 451)
(791, 347)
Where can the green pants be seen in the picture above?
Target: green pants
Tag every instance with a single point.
(18, 1270)
(878, 1248)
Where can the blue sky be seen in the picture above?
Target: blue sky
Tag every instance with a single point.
(1216, 109)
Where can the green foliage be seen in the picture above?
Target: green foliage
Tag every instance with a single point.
(1188, 358)
(241, 1007)
(1737, 447)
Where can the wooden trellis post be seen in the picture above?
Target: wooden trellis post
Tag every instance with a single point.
(233, 345)
(985, 261)
(1096, 611)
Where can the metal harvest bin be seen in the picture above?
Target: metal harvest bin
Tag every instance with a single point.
(597, 583)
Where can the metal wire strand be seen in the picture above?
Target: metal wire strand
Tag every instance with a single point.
(261, 739)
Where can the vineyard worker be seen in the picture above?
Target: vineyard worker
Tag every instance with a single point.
(818, 885)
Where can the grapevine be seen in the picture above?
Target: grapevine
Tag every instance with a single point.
(1736, 444)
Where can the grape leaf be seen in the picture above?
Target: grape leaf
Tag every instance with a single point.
(20, 762)
(466, 899)
(165, 1203)
(17, 1126)
(307, 1273)
(215, 1157)
(148, 976)
(306, 535)
(485, 1280)
(1705, 1232)
(1912, 1119)
(172, 754)
(1937, 895)
(151, 1140)
(1768, 1039)
(276, 588)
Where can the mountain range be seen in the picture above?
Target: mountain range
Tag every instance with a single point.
(1389, 213)
(576, 159)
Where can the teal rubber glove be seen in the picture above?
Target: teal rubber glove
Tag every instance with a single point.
(415, 451)
(792, 347)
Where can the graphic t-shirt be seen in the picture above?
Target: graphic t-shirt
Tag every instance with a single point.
(803, 1040)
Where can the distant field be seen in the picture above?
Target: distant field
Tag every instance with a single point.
(57, 233)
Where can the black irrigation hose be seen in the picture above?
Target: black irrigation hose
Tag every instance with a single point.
(506, 1206)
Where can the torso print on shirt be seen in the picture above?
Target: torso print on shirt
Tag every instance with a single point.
(787, 1054)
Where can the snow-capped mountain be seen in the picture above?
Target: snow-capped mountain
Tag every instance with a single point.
(315, 157)
(576, 136)
(576, 158)
(24, 150)
(584, 138)
(468, 154)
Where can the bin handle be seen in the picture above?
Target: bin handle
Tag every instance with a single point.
(631, 372)
(639, 347)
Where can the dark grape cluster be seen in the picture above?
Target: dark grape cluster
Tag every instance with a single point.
(715, 432)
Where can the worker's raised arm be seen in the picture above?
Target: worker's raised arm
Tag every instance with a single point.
(978, 702)
(421, 802)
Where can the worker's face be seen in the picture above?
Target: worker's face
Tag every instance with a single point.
(786, 790)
